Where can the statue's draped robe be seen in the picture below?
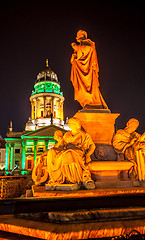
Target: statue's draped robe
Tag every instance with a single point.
(84, 75)
(121, 143)
(69, 164)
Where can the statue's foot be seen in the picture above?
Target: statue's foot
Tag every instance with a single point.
(38, 184)
(90, 185)
(50, 187)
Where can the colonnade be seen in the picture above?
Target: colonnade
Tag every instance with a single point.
(35, 143)
(9, 162)
(44, 106)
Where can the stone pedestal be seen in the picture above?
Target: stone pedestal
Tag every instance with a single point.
(99, 123)
(111, 172)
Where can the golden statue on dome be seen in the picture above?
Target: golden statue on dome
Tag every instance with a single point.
(47, 63)
(84, 72)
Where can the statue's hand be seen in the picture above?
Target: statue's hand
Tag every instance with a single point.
(74, 46)
(133, 141)
(73, 58)
(88, 159)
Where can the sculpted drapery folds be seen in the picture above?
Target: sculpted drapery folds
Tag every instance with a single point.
(69, 165)
(66, 161)
(84, 72)
(40, 172)
(132, 145)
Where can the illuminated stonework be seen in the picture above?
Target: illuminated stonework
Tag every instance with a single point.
(22, 148)
(46, 101)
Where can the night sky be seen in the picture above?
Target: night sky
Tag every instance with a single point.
(32, 31)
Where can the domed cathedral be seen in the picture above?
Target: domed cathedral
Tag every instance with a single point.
(46, 101)
(22, 148)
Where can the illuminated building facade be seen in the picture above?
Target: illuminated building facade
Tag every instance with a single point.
(2, 153)
(46, 99)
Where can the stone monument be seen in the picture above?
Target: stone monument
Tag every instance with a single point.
(90, 155)
(95, 117)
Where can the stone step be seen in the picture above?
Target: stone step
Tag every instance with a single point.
(117, 184)
(87, 230)
(99, 215)
(102, 189)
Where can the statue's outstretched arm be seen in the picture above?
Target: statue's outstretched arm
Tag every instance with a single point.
(90, 152)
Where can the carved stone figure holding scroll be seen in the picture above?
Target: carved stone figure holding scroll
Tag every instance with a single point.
(132, 145)
(84, 72)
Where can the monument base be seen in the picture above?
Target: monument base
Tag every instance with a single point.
(80, 216)
(98, 122)
(103, 189)
(89, 230)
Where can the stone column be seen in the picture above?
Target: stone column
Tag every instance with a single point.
(32, 110)
(61, 107)
(23, 155)
(7, 157)
(46, 145)
(38, 108)
(57, 109)
(44, 109)
(36, 105)
(11, 156)
(58, 112)
(52, 106)
(35, 150)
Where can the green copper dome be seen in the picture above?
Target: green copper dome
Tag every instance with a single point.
(47, 81)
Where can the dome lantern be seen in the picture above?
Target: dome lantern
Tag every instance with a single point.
(46, 74)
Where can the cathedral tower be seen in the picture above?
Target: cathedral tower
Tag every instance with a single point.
(46, 101)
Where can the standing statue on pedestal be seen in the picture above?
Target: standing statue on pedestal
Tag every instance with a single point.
(132, 145)
(84, 72)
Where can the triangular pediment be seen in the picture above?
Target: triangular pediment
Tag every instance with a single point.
(47, 131)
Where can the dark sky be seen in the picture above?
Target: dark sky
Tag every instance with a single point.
(32, 31)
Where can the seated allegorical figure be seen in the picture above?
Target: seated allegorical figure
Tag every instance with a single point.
(132, 145)
(40, 172)
(66, 161)
(69, 164)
